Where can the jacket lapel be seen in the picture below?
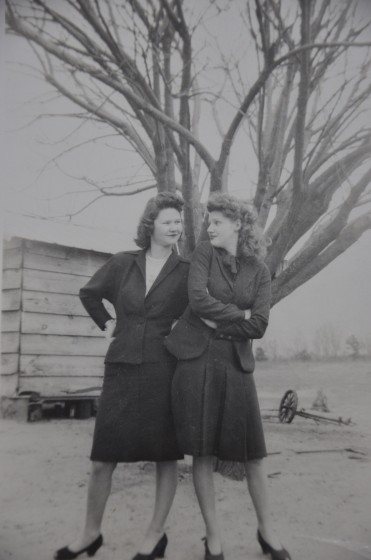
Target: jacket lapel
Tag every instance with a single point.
(168, 267)
(222, 269)
(141, 263)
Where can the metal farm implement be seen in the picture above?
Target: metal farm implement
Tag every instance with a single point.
(288, 409)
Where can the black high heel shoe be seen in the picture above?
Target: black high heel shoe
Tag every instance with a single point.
(281, 554)
(208, 555)
(66, 554)
(157, 552)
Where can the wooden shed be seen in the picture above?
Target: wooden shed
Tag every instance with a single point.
(49, 343)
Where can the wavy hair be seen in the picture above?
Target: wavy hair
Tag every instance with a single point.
(251, 240)
(152, 209)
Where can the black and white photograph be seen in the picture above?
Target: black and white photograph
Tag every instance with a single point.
(186, 280)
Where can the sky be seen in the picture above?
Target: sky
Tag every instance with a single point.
(35, 184)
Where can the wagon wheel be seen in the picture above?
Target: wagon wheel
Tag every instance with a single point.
(288, 406)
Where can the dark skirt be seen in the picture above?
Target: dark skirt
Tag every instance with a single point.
(134, 420)
(215, 406)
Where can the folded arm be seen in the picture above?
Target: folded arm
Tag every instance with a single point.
(255, 326)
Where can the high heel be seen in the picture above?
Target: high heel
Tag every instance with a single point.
(281, 554)
(66, 554)
(157, 552)
(208, 555)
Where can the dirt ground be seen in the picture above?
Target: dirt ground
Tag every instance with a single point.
(321, 501)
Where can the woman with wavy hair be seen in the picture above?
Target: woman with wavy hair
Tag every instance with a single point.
(215, 403)
(148, 289)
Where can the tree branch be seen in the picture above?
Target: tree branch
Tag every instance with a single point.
(113, 82)
(324, 235)
(303, 93)
(129, 132)
(348, 236)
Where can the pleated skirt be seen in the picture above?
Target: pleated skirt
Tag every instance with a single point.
(134, 420)
(215, 406)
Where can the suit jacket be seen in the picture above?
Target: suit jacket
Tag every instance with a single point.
(142, 320)
(215, 294)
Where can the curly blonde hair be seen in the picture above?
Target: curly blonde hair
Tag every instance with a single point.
(152, 209)
(251, 240)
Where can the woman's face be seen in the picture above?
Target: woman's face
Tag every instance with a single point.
(223, 232)
(167, 227)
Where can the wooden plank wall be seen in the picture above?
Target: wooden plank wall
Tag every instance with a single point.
(11, 315)
(61, 348)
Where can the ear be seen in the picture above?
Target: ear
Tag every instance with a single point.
(237, 225)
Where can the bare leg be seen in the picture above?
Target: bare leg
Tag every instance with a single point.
(203, 479)
(166, 483)
(258, 489)
(99, 489)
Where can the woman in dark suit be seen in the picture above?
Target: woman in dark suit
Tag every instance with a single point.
(215, 403)
(148, 289)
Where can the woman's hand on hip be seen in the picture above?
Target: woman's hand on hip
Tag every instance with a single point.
(109, 328)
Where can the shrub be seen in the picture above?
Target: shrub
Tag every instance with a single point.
(260, 355)
(303, 356)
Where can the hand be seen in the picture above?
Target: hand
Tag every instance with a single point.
(247, 314)
(209, 323)
(109, 328)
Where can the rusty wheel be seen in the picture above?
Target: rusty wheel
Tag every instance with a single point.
(288, 407)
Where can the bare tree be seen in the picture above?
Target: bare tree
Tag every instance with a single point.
(355, 346)
(327, 341)
(366, 344)
(271, 347)
(301, 104)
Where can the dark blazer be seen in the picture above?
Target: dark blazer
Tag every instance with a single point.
(215, 294)
(142, 320)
